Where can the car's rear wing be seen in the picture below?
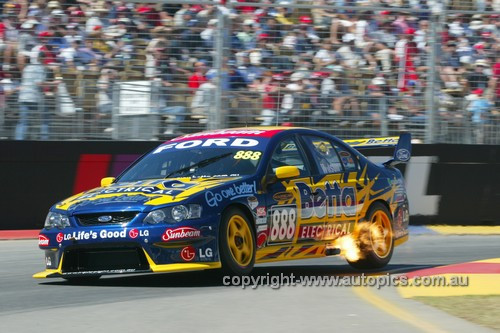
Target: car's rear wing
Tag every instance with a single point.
(402, 153)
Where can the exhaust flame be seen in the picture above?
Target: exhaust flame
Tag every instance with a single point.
(355, 245)
(348, 248)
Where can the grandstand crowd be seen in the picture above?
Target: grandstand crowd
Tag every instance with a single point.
(337, 64)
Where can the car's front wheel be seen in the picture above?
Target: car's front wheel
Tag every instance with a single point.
(237, 242)
(376, 239)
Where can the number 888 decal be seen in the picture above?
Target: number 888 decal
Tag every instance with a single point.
(283, 223)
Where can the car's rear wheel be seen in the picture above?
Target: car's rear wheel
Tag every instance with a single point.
(376, 240)
(237, 242)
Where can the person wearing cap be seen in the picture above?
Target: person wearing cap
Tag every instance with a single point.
(27, 41)
(478, 79)
(451, 68)
(44, 46)
(479, 108)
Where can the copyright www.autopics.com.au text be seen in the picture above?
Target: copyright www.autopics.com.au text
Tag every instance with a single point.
(361, 280)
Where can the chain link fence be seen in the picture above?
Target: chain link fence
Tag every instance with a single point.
(134, 70)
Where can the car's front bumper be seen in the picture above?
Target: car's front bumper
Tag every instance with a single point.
(84, 251)
(153, 268)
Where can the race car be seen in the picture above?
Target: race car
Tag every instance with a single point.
(231, 199)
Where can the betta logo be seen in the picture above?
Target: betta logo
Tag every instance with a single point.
(180, 233)
(43, 240)
(59, 237)
(188, 253)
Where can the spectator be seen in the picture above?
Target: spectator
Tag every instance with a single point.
(479, 109)
(203, 104)
(478, 79)
(31, 98)
(198, 77)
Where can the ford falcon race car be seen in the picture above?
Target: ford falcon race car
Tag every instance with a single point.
(231, 199)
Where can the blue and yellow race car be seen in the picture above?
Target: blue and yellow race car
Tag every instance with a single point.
(233, 198)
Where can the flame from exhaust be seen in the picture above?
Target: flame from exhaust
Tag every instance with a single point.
(348, 248)
(354, 246)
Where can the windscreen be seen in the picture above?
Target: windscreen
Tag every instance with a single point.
(199, 159)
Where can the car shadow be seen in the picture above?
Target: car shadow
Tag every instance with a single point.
(215, 278)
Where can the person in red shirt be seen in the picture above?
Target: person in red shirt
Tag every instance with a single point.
(495, 83)
(198, 77)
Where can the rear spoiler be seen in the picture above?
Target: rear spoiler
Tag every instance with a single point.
(402, 153)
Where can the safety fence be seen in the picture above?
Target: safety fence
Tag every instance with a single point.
(134, 70)
(446, 183)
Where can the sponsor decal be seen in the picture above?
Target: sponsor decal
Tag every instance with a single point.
(222, 133)
(282, 196)
(324, 231)
(283, 223)
(261, 211)
(81, 202)
(102, 234)
(43, 240)
(252, 202)
(180, 233)
(262, 233)
(261, 220)
(142, 189)
(188, 253)
(207, 143)
(207, 253)
(235, 191)
(403, 154)
(134, 233)
(261, 239)
(332, 201)
(48, 261)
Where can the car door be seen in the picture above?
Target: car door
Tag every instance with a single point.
(283, 209)
(332, 193)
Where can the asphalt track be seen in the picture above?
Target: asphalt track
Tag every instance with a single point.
(198, 302)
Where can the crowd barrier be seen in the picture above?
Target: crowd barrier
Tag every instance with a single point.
(447, 184)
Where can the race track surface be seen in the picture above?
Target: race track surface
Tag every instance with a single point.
(198, 301)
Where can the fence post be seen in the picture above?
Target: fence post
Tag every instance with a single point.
(215, 118)
(432, 62)
(115, 111)
(382, 105)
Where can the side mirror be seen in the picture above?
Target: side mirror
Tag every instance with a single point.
(107, 181)
(287, 172)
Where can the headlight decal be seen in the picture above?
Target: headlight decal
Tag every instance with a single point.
(174, 214)
(56, 220)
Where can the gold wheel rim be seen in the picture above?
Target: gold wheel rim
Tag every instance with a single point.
(381, 234)
(239, 239)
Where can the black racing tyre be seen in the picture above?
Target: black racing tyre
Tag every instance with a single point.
(376, 240)
(237, 245)
(83, 279)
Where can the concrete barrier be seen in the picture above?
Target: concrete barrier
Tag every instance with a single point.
(447, 184)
